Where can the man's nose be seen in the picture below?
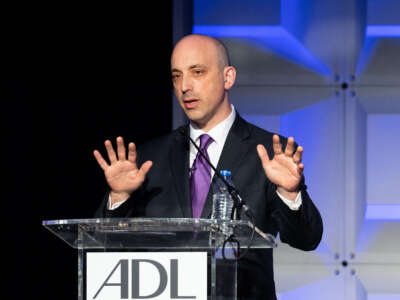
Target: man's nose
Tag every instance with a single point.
(187, 84)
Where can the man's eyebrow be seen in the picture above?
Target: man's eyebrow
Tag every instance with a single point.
(197, 66)
(190, 68)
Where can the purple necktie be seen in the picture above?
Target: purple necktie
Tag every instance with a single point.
(200, 178)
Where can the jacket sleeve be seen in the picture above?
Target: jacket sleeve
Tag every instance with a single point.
(301, 228)
(129, 209)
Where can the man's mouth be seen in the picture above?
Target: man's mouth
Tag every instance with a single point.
(190, 103)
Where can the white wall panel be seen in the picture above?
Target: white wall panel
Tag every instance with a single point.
(383, 159)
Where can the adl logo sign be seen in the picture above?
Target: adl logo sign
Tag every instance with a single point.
(146, 275)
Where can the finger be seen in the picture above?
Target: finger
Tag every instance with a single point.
(144, 169)
(110, 151)
(100, 160)
(297, 157)
(263, 155)
(289, 147)
(276, 144)
(121, 148)
(300, 169)
(132, 153)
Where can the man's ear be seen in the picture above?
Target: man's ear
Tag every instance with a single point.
(229, 77)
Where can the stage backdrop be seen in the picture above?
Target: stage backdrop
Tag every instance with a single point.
(328, 73)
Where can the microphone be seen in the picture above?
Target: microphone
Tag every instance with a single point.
(238, 201)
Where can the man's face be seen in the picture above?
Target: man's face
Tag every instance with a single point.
(199, 83)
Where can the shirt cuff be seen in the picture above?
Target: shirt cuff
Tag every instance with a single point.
(115, 205)
(293, 205)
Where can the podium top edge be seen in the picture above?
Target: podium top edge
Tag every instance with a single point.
(93, 221)
(94, 233)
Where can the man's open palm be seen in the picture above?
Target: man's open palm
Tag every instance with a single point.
(122, 174)
(285, 169)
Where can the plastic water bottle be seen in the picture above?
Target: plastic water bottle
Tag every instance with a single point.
(222, 200)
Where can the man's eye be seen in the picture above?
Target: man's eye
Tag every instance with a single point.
(198, 72)
(175, 76)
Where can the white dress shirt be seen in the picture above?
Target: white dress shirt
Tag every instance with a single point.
(219, 134)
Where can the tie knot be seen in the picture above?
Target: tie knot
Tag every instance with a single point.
(205, 141)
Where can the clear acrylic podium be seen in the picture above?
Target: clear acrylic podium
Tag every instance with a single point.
(169, 235)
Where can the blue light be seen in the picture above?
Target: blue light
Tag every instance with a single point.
(382, 212)
(372, 34)
(383, 31)
(366, 54)
(268, 38)
(238, 31)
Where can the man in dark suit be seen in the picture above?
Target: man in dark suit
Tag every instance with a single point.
(266, 168)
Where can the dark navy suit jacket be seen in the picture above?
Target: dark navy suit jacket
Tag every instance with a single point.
(165, 193)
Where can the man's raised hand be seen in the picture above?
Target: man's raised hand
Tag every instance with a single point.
(122, 174)
(285, 169)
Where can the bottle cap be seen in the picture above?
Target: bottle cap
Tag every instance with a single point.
(225, 173)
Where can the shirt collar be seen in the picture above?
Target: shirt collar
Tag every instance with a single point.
(219, 132)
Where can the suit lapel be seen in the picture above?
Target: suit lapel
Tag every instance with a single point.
(236, 146)
(179, 160)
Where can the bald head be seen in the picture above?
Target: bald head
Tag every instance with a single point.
(220, 51)
(202, 77)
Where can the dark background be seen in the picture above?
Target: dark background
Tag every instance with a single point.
(75, 76)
